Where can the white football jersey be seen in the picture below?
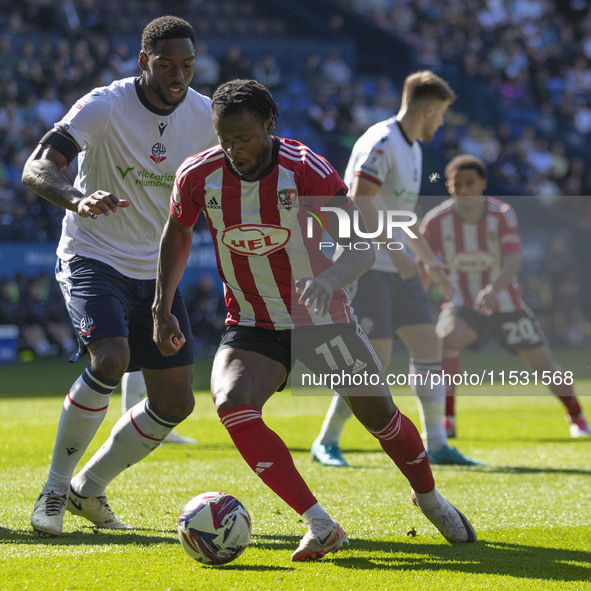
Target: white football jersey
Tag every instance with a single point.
(132, 150)
(385, 156)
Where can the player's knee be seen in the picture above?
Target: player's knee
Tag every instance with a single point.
(373, 421)
(180, 405)
(373, 413)
(228, 397)
(224, 398)
(186, 404)
(453, 340)
(428, 350)
(110, 357)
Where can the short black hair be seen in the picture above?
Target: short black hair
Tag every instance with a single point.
(165, 27)
(465, 162)
(240, 95)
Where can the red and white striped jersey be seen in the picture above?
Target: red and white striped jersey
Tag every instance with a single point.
(475, 252)
(260, 231)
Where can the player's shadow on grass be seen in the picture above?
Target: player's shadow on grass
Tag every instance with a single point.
(346, 451)
(369, 462)
(451, 467)
(253, 567)
(491, 469)
(492, 558)
(533, 440)
(533, 470)
(489, 558)
(89, 536)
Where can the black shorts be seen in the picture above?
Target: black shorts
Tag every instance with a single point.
(324, 349)
(383, 303)
(102, 303)
(514, 331)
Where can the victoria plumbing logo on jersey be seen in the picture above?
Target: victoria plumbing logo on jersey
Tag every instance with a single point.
(389, 221)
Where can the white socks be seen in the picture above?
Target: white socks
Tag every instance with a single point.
(428, 500)
(316, 512)
(137, 433)
(133, 389)
(431, 402)
(84, 409)
(334, 422)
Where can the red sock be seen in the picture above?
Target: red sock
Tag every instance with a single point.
(450, 406)
(266, 454)
(451, 366)
(402, 442)
(566, 395)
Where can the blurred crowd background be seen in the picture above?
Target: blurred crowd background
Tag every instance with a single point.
(521, 69)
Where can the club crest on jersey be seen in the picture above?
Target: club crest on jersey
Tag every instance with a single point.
(86, 326)
(287, 198)
(255, 239)
(158, 153)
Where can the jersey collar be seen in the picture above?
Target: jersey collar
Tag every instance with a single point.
(403, 134)
(141, 95)
(484, 213)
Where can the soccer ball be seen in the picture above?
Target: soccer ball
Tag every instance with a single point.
(214, 528)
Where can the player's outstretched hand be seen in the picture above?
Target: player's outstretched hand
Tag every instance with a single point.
(167, 335)
(314, 293)
(100, 203)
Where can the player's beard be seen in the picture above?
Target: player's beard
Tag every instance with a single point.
(159, 92)
(427, 135)
(256, 167)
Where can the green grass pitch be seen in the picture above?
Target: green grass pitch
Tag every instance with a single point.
(530, 504)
